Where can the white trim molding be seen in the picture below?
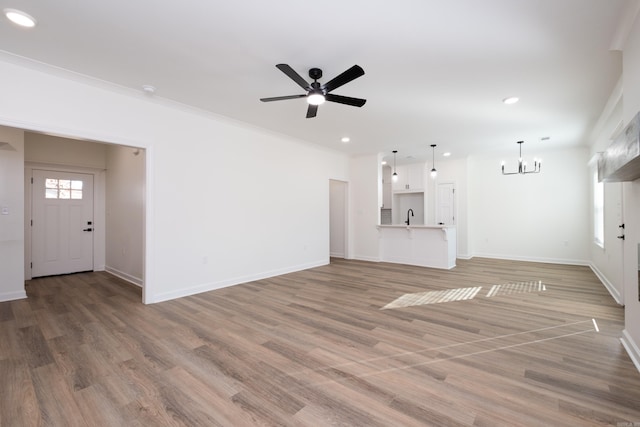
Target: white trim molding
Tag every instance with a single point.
(124, 276)
(607, 284)
(12, 296)
(632, 348)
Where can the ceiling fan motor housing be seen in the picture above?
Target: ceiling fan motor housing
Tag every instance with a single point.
(315, 73)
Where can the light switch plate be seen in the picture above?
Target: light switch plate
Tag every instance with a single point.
(4, 210)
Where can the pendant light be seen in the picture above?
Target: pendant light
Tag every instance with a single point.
(522, 165)
(394, 177)
(434, 172)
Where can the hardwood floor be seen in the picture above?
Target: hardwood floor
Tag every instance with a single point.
(316, 348)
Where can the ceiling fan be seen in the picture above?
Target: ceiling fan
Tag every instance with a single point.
(318, 93)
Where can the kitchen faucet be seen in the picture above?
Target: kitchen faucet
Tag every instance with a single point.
(410, 211)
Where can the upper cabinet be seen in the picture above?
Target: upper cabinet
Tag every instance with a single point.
(410, 178)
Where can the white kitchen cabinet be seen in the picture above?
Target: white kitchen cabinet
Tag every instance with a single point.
(410, 178)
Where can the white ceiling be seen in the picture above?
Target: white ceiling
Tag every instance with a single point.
(436, 70)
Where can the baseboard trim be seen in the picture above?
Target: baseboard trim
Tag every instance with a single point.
(124, 276)
(206, 287)
(12, 296)
(532, 259)
(366, 258)
(631, 347)
(607, 284)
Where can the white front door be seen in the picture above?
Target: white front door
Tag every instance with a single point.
(445, 205)
(62, 224)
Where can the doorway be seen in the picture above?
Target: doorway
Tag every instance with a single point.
(116, 242)
(337, 219)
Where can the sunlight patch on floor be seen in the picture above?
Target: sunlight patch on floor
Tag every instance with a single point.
(462, 294)
(434, 297)
(516, 288)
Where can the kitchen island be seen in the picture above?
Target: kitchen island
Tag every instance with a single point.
(423, 245)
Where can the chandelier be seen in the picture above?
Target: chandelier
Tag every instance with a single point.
(522, 165)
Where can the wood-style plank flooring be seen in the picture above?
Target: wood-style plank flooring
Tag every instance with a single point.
(315, 348)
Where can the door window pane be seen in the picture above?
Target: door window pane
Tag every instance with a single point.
(63, 189)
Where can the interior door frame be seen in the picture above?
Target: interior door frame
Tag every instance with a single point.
(345, 215)
(99, 212)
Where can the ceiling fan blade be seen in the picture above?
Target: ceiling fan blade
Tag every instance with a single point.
(356, 102)
(311, 111)
(294, 76)
(281, 98)
(351, 74)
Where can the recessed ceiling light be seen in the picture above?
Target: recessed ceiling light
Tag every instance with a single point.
(19, 17)
(345, 139)
(545, 138)
(149, 89)
(511, 100)
(447, 154)
(384, 162)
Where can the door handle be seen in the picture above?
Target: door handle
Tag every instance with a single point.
(87, 229)
(621, 237)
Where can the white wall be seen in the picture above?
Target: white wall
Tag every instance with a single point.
(402, 202)
(365, 199)
(261, 211)
(538, 217)
(11, 214)
(125, 189)
(64, 151)
(631, 106)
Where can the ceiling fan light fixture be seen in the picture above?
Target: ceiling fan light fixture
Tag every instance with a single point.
(20, 18)
(315, 99)
(317, 93)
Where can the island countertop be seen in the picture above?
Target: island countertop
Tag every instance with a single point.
(424, 245)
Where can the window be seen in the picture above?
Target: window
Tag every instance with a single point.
(598, 210)
(63, 189)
